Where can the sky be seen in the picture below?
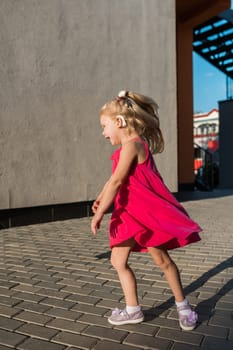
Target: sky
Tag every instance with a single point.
(209, 84)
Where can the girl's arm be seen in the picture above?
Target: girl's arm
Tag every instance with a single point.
(128, 153)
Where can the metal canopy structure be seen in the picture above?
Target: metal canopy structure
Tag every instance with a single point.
(213, 40)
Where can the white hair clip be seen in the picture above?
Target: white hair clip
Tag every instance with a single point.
(122, 93)
(123, 121)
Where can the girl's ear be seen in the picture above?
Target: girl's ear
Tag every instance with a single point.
(121, 121)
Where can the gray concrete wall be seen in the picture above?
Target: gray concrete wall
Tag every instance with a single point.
(226, 144)
(60, 60)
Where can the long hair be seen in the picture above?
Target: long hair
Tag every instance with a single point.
(141, 114)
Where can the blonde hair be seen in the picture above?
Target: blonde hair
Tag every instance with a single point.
(141, 114)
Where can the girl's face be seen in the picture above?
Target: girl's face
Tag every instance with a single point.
(111, 129)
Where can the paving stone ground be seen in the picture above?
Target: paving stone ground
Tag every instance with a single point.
(57, 287)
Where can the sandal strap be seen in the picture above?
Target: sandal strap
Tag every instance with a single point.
(184, 307)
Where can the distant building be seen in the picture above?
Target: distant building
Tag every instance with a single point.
(205, 135)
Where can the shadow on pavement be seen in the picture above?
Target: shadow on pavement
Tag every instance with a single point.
(205, 308)
(206, 305)
(199, 195)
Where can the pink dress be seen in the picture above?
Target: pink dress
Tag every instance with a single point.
(144, 209)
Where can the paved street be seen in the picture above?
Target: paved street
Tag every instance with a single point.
(57, 287)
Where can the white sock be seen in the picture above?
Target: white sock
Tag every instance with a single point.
(183, 303)
(132, 309)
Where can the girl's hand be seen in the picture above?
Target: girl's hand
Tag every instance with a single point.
(95, 222)
(95, 206)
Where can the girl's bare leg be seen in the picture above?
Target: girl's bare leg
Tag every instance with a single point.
(167, 265)
(119, 260)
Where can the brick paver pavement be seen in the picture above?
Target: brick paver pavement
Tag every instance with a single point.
(57, 287)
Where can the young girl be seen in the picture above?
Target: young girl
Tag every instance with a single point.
(146, 216)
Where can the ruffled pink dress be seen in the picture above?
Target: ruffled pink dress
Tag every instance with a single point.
(144, 209)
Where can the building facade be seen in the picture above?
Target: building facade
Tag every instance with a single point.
(206, 149)
(206, 130)
(60, 62)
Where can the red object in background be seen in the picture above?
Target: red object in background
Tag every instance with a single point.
(213, 145)
(197, 164)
